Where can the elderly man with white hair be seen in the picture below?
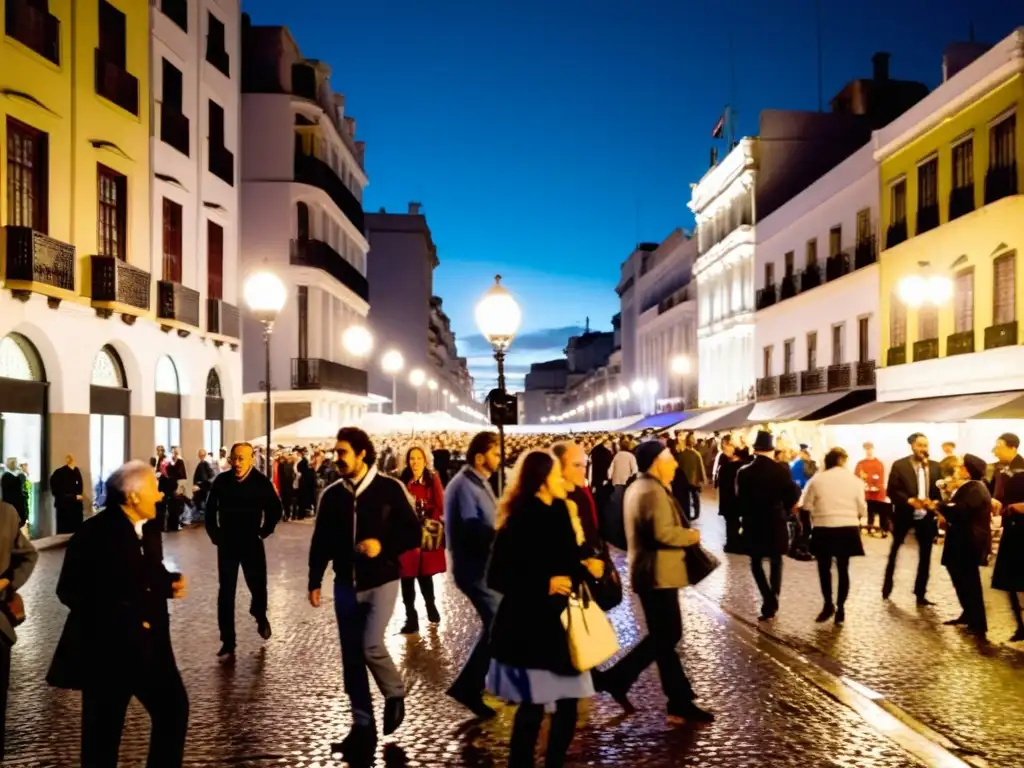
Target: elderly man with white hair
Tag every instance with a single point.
(116, 643)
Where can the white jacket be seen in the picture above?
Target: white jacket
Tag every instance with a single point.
(623, 467)
(835, 499)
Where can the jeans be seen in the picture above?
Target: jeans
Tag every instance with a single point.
(769, 591)
(252, 558)
(362, 619)
(472, 678)
(925, 531)
(825, 579)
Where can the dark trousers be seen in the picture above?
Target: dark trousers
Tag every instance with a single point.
(175, 506)
(883, 511)
(526, 730)
(690, 501)
(925, 531)
(159, 689)
(474, 674)
(966, 579)
(733, 536)
(1016, 608)
(664, 631)
(770, 588)
(5, 682)
(409, 593)
(287, 503)
(825, 579)
(252, 558)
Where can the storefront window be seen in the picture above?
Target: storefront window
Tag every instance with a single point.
(21, 434)
(168, 417)
(108, 421)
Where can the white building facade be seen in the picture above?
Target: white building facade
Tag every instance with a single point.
(723, 204)
(302, 188)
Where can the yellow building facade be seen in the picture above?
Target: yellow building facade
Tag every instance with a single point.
(951, 207)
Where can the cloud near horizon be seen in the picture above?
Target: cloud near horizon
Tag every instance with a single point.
(530, 341)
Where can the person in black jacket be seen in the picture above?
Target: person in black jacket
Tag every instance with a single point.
(67, 488)
(202, 481)
(305, 499)
(116, 643)
(242, 510)
(364, 522)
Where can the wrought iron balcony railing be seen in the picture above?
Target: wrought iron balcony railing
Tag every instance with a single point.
(177, 302)
(1003, 335)
(1000, 182)
(789, 384)
(926, 349)
(33, 27)
(813, 380)
(174, 129)
(896, 234)
(927, 218)
(960, 343)
(116, 84)
(318, 254)
(33, 257)
(313, 373)
(315, 172)
(896, 355)
(961, 201)
(223, 319)
(116, 281)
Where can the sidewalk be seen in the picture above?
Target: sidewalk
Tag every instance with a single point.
(969, 691)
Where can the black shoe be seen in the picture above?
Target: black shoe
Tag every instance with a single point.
(689, 713)
(474, 703)
(226, 650)
(604, 683)
(263, 628)
(886, 591)
(924, 602)
(359, 745)
(394, 714)
(840, 614)
(412, 626)
(1018, 636)
(960, 620)
(433, 615)
(826, 613)
(978, 630)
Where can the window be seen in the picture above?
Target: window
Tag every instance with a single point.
(837, 343)
(216, 127)
(927, 322)
(176, 11)
(787, 356)
(963, 164)
(767, 362)
(216, 50)
(863, 339)
(812, 252)
(789, 264)
(214, 260)
(863, 225)
(113, 35)
(31, 24)
(1004, 289)
(27, 176)
(898, 193)
(172, 241)
(835, 241)
(303, 308)
(928, 184)
(769, 275)
(1002, 137)
(963, 301)
(812, 350)
(112, 219)
(173, 89)
(897, 322)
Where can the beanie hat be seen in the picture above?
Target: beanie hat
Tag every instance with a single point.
(647, 453)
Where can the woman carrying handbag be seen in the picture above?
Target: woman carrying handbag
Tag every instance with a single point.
(421, 565)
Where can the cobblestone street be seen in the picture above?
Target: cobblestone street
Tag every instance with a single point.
(282, 704)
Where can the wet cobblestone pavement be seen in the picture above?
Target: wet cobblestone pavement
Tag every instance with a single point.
(282, 704)
(970, 691)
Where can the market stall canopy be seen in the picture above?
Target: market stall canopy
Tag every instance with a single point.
(658, 421)
(718, 419)
(576, 427)
(793, 408)
(311, 429)
(439, 421)
(936, 410)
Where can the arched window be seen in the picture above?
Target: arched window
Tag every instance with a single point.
(213, 384)
(107, 370)
(167, 377)
(19, 359)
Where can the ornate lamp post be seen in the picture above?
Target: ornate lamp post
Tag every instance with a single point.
(498, 317)
(392, 364)
(265, 296)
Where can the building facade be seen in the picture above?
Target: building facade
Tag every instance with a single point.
(629, 307)
(449, 370)
(79, 254)
(952, 210)
(302, 188)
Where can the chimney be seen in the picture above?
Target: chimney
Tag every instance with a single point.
(350, 126)
(881, 67)
(414, 208)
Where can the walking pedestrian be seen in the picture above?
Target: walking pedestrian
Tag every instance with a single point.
(420, 565)
(67, 488)
(116, 643)
(202, 482)
(871, 471)
(1008, 575)
(766, 496)
(915, 496)
(242, 510)
(968, 519)
(286, 477)
(470, 513)
(175, 497)
(657, 534)
(364, 523)
(690, 478)
(728, 465)
(835, 502)
(623, 465)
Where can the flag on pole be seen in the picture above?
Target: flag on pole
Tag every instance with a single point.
(716, 133)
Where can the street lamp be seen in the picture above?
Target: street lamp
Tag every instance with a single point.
(416, 378)
(590, 410)
(498, 316)
(392, 364)
(916, 290)
(357, 341)
(265, 295)
(681, 365)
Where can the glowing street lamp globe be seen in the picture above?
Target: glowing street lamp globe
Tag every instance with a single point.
(417, 377)
(638, 387)
(623, 393)
(498, 316)
(912, 290)
(680, 365)
(939, 289)
(357, 341)
(265, 295)
(599, 399)
(392, 362)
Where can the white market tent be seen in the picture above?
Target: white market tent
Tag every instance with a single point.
(576, 427)
(314, 429)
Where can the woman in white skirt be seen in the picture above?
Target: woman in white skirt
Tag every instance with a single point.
(835, 499)
(536, 563)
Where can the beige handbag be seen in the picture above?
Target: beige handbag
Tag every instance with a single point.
(590, 635)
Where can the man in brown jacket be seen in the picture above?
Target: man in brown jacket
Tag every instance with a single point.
(690, 478)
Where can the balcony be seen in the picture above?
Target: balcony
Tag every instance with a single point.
(896, 234)
(766, 297)
(1000, 182)
(961, 201)
(960, 343)
(1004, 335)
(767, 387)
(926, 349)
(116, 85)
(813, 380)
(314, 171)
(788, 289)
(174, 129)
(222, 164)
(317, 254)
(312, 373)
(220, 59)
(865, 253)
(789, 384)
(39, 262)
(118, 282)
(836, 266)
(896, 355)
(34, 28)
(927, 218)
(222, 319)
(865, 373)
(176, 11)
(177, 303)
(839, 377)
(810, 277)
(679, 297)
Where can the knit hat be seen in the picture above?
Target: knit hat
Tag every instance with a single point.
(647, 453)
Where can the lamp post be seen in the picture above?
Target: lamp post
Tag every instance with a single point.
(432, 397)
(416, 378)
(265, 295)
(498, 316)
(392, 364)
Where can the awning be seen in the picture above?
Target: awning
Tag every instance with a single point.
(866, 414)
(718, 419)
(936, 410)
(793, 408)
(658, 421)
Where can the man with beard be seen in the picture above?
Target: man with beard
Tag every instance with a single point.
(67, 488)
(364, 522)
(242, 510)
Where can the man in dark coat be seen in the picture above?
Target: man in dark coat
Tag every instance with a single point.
(176, 472)
(286, 483)
(727, 506)
(1008, 575)
(67, 488)
(306, 497)
(12, 489)
(202, 481)
(116, 643)
(914, 492)
(766, 497)
(242, 510)
(443, 464)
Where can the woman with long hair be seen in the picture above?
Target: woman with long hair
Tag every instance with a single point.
(535, 565)
(419, 565)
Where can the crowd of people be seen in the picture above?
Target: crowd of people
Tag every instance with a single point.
(528, 542)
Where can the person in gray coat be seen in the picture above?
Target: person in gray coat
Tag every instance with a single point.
(657, 533)
(17, 559)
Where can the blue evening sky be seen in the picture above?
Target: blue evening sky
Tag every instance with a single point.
(546, 137)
